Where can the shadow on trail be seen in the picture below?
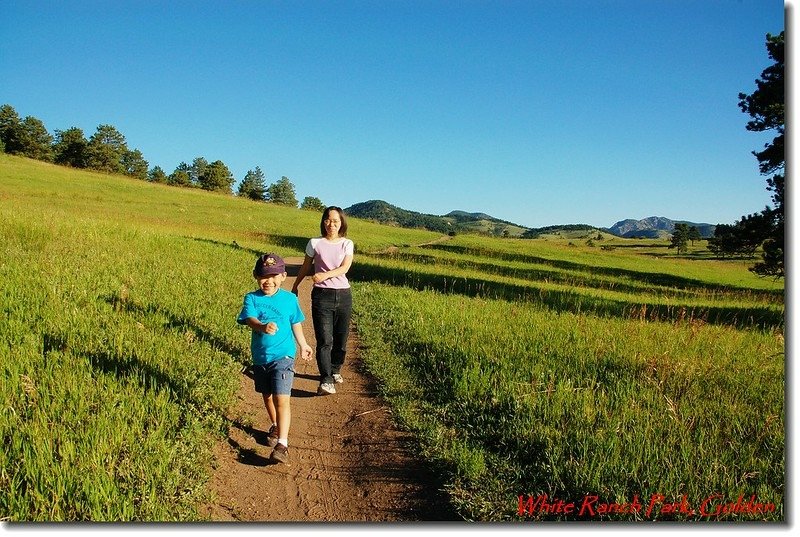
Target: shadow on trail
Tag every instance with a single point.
(248, 456)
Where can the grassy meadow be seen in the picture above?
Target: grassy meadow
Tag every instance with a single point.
(524, 367)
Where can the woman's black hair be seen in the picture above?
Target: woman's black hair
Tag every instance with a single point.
(326, 213)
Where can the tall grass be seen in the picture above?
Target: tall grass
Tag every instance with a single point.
(661, 297)
(119, 353)
(514, 399)
(114, 373)
(524, 367)
(533, 368)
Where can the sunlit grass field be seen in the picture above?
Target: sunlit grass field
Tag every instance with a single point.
(525, 367)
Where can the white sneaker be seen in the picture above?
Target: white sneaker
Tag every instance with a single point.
(337, 378)
(326, 388)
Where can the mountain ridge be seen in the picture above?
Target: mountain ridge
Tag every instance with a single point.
(463, 221)
(654, 227)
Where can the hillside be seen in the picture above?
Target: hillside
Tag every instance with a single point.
(126, 371)
(384, 213)
(379, 211)
(457, 221)
(453, 222)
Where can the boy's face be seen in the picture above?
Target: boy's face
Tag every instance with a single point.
(270, 284)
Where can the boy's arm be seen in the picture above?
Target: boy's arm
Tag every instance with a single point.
(305, 349)
(339, 271)
(269, 328)
(305, 270)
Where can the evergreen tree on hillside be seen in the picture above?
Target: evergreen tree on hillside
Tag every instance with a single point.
(217, 177)
(196, 170)
(134, 164)
(35, 141)
(9, 129)
(157, 175)
(106, 149)
(253, 186)
(743, 237)
(181, 176)
(312, 203)
(70, 148)
(282, 192)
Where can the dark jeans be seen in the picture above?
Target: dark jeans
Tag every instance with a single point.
(330, 311)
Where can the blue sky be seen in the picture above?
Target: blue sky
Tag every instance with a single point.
(537, 112)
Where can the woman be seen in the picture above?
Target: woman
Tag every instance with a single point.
(329, 258)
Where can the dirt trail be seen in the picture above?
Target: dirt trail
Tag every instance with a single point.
(348, 462)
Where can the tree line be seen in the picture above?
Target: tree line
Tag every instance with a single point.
(107, 151)
(765, 229)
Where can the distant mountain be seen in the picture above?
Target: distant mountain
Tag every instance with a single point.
(461, 215)
(455, 221)
(386, 213)
(656, 227)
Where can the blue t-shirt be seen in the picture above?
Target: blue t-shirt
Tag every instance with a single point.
(283, 309)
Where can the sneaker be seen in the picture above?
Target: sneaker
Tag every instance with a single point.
(326, 388)
(280, 453)
(337, 378)
(272, 436)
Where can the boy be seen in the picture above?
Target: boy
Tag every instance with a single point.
(275, 317)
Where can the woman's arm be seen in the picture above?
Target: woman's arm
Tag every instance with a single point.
(305, 270)
(339, 271)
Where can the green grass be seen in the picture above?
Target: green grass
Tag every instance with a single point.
(120, 353)
(524, 367)
(512, 398)
(539, 367)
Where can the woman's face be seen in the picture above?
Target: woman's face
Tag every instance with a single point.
(332, 223)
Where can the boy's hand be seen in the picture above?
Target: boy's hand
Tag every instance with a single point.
(305, 352)
(270, 328)
(319, 277)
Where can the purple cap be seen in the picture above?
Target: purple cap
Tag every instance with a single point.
(268, 265)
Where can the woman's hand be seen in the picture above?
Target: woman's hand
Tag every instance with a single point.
(320, 277)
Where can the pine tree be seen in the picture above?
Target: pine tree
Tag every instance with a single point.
(766, 105)
(680, 238)
(253, 186)
(217, 177)
(311, 203)
(282, 193)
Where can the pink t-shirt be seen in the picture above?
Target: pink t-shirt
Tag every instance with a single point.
(328, 256)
